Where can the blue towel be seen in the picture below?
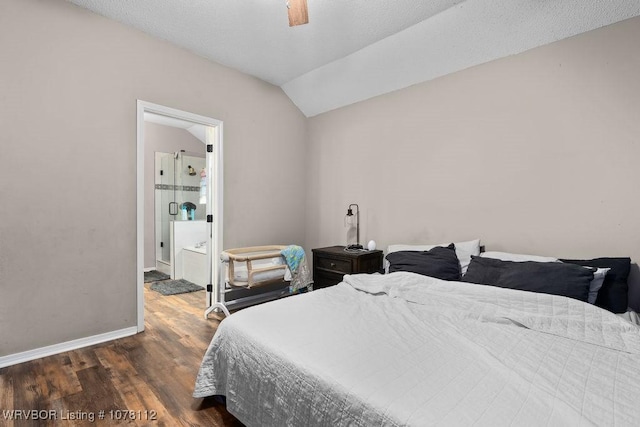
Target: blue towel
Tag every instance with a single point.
(293, 255)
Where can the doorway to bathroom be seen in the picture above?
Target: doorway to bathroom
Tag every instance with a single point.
(179, 203)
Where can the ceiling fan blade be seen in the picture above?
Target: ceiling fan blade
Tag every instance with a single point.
(298, 14)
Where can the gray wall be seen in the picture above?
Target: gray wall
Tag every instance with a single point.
(69, 83)
(162, 139)
(535, 153)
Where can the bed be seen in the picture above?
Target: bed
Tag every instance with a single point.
(408, 349)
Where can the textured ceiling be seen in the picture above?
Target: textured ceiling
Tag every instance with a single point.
(357, 49)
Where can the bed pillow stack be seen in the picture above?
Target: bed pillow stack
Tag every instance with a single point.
(606, 286)
(553, 278)
(595, 285)
(613, 295)
(608, 289)
(463, 251)
(440, 262)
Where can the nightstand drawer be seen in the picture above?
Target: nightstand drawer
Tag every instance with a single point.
(334, 264)
(323, 279)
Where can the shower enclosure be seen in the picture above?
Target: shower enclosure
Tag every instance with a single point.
(180, 195)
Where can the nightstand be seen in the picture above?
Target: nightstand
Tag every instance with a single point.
(330, 264)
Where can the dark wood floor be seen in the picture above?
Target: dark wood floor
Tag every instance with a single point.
(152, 371)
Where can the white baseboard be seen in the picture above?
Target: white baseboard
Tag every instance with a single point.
(37, 353)
(163, 267)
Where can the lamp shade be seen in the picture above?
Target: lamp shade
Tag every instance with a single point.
(352, 221)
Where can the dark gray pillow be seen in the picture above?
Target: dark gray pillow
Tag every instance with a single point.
(553, 278)
(613, 295)
(440, 262)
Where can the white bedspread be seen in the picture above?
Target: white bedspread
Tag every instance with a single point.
(404, 349)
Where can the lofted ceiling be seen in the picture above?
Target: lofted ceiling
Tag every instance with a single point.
(195, 129)
(353, 50)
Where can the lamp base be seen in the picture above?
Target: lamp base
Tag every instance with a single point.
(354, 247)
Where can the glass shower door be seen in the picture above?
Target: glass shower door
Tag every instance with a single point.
(168, 207)
(178, 186)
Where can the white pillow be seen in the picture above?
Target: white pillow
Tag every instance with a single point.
(506, 256)
(464, 250)
(596, 284)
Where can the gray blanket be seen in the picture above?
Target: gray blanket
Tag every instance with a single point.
(403, 349)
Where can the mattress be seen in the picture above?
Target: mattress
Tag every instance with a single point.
(409, 350)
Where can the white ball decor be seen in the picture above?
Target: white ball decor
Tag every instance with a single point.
(371, 245)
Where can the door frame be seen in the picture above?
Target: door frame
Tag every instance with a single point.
(214, 199)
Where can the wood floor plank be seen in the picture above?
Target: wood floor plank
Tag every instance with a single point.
(98, 392)
(136, 394)
(82, 358)
(59, 376)
(151, 371)
(6, 396)
(26, 385)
